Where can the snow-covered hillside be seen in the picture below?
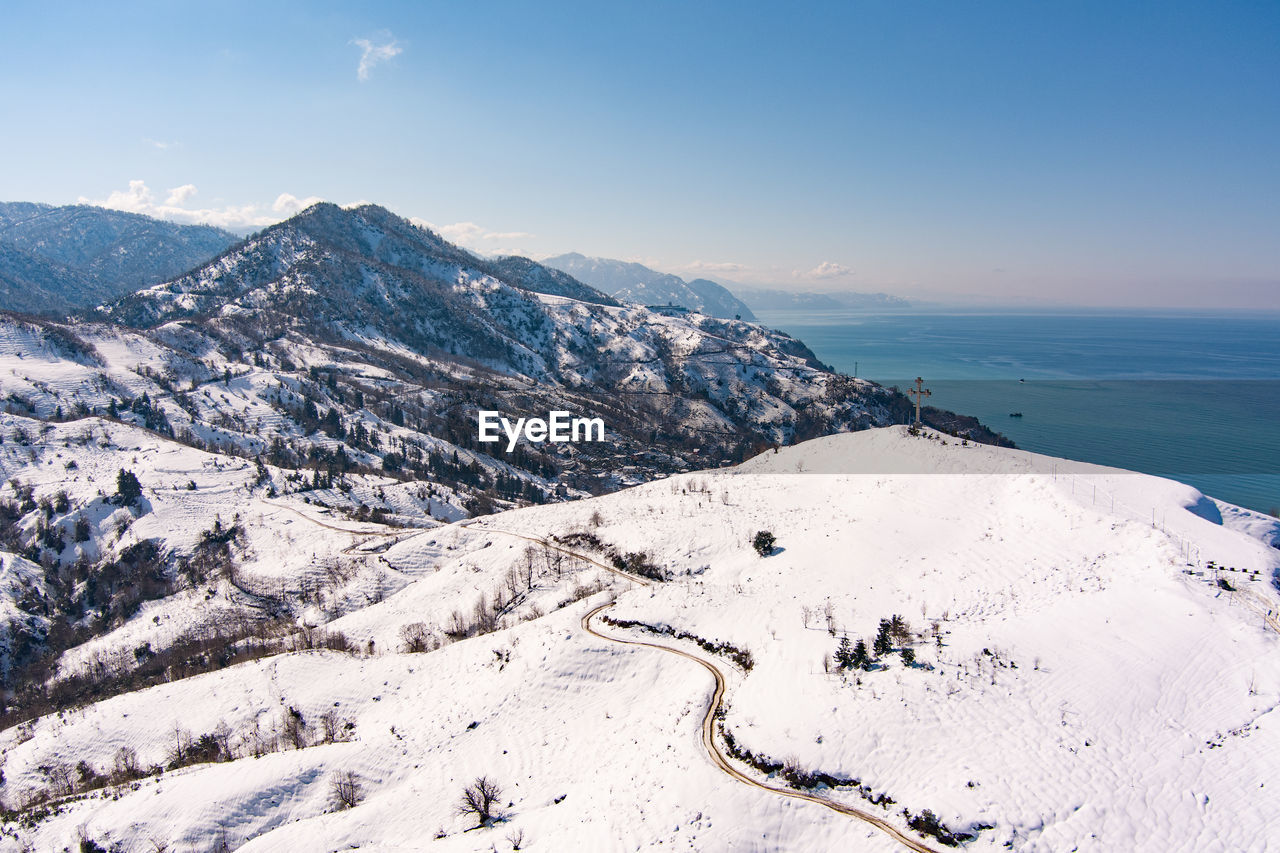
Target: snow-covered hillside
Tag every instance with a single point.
(59, 259)
(352, 341)
(1096, 667)
(150, 574)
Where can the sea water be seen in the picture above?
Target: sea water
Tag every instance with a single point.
(1194, 397)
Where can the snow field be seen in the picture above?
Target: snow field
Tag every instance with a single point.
(612, 731)
(1127, 668)
(1087, 692)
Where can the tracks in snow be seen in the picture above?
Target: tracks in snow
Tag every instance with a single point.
(360, 542)
(723, 762)
(714, 752)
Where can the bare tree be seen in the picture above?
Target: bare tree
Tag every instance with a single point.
(512, 582)
(260, 742)
(181, 744)
(500, 601)
(293, 728)
(415, 637)
(59, 774)
(126, 764)
(86, 843)
(331, 725)
(458, 627)
(479, 799)
(346, 789)
(484, 618)
(526, 567)
(550, 565)
(222, 735)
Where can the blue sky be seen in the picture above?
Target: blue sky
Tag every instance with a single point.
(1093, 153)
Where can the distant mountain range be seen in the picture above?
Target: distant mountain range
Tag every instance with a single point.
(776, 299)
(59, 260)
(54, 260)
(632, 282)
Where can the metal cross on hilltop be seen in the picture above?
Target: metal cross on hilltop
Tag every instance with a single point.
(919, 392)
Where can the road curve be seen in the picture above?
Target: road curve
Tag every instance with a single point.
(320, 523)
(475, 524)
(708, 719)
(722, 761)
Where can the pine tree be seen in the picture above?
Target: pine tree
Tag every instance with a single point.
(763, 542)
(882, 645)
(310, 414)
(845, 655)
(908, 656)
(128, 489)
(860, 657)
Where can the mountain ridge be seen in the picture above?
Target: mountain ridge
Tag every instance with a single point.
(91, 254)
(635, 282)
(341, 324)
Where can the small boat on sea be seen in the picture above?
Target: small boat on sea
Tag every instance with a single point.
(1015, 414)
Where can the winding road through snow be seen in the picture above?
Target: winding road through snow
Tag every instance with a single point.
(713, 749)
(714, 752)
(722, 761)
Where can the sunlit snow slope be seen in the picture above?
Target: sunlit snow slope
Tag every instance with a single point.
(1083, 679)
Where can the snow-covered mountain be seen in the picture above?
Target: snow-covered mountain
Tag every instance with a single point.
(363, 294)
(343, 357)
(242, 517)
(1057, 656)
(349, 341)
(632, 282)
(57, 259)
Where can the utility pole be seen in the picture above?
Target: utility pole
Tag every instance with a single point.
(919, 392)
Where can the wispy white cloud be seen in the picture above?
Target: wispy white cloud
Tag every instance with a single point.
(287, 204)
(471, 235)
(825, 270)
(176, 207)
(139, 198)
(372, 52)
(159, 143)
(178, 196)
(707, 266)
